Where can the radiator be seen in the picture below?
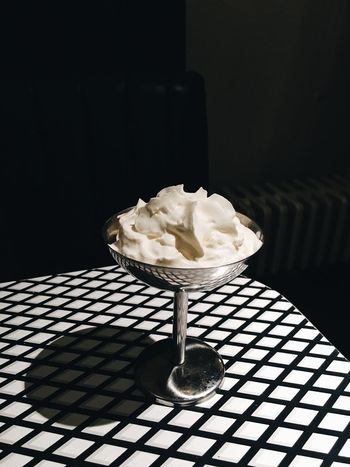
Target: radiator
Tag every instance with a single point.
(306, 223)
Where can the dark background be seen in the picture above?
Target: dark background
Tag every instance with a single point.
(277, 76)
(96, 111)
(90, 121)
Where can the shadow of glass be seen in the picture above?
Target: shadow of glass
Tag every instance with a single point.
(86, 378)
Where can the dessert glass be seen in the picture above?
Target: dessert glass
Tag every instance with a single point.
(181, 370)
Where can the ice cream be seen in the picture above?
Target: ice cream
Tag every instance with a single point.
(180, 229)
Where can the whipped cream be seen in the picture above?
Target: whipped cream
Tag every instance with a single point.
(180, 229)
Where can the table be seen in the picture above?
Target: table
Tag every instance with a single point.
(68, 397)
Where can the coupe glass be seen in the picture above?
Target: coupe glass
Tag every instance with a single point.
(181, 370)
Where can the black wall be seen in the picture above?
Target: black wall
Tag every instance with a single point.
(60, 39)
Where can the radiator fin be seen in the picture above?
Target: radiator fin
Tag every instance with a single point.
(306, 223)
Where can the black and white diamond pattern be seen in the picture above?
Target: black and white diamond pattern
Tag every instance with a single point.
(67, 394)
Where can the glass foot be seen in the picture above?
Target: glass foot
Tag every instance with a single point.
(186, 384)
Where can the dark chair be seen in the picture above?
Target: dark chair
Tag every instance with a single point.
(75, 152)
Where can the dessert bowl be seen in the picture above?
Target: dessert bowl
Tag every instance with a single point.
(179, 371)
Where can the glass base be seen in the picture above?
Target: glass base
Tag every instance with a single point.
(194, 381)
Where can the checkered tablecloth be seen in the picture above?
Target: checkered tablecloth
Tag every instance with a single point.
(67, 394)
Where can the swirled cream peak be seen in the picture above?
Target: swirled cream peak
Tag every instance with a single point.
(181, 229)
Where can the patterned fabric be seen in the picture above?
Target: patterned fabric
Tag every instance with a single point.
(67, 394)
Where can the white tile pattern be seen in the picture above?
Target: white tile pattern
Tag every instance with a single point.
(68, 397)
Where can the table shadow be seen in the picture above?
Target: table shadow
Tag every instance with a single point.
(86, 378)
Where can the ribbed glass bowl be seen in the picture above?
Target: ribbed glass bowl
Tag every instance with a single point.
(171, 278)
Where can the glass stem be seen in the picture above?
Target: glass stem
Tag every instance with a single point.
(180, 325)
